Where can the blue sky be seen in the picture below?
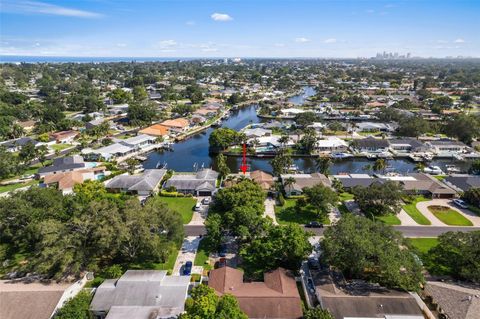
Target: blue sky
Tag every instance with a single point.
(239, 28)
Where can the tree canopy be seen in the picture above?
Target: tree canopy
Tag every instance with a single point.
(379, 198)
(364, 249)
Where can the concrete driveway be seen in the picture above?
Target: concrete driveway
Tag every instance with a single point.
(270, 210)
(187, 253)
(423, 208)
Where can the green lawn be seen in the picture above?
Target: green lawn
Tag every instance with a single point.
(411, 209)
(203, 252)
(389, 219)
(449, 216)
(423, 245)
(440, 177)
(11, 187)
(345, 196)
(60, 147)
(167, 265)
(183, 205)
(288, 214)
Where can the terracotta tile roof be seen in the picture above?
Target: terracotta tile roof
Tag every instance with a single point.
(63, 134)
(68, 179)
(180, 123)
(264, 179)
(155, 130)
(276, 297)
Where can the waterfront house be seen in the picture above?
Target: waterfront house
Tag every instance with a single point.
(407, 145)
(65, 181)
(257, 132)
(197, 119)
(179, 125)
(423, 184)
(206, 112)
(277, 297)
(155, 130)
(263, 179)
(373, 127)
(202, 183)
(371, 145)
(462, 182)
(291, 112)
(331, 144)
(124, 148)
(317, 126)
(301, 181)
(142, 184)
(350, 181)
(64, 137)
(141, 294)
(65, 164)
(447, 147)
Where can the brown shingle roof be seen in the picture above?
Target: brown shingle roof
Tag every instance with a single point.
(264, 179)
(276, 297)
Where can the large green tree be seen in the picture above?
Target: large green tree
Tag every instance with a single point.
(379, 199)
(321, 198)
(364, 249)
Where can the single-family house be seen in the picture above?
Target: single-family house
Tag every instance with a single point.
(447, 147)
(407, 145)
(65, 181)
(155, 130)
(276, 297)
(123, 148)
(371, 145)
(176, 125)
(94, 123)
(65, 164)
(206, 112)
(373, 127)
(300, 181)
(142, 184)
(198, 119)
(27, 125)
(64, 137)
(291, 112)
(350, 181)
(424, 184)
(35, 300)
(257, 132)
(202, 183)
(462, 182)
(141, 294)
(263, 179)
(17, 144)
(453, 301)
(331, 144)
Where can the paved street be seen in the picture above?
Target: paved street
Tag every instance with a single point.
(408, 231)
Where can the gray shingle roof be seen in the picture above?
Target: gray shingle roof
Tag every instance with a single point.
(203, 180)
(64, 163)
(463, 182)
(148, 181)
(372, 142)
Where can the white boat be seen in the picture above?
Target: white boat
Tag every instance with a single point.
(293, 167)
(434, 170)
(452, 169)
(341, 155)
(427, 157)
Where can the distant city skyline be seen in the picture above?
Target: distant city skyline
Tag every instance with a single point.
(202, 29)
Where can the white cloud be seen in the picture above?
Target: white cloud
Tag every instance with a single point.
(331, 40)
(221, 17)
(167, 44)
(302, 40)
(459, 40)
(34, 7)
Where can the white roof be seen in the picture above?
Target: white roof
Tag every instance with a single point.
(331, 141)
(293, 110)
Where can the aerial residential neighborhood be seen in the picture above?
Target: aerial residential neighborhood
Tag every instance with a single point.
(234, 160)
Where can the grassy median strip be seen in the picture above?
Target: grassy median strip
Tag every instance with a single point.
(183, 205)
(449, 216)
(417, 216)
(423, 245)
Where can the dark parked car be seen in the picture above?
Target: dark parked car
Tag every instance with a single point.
(222, 252)
(187, 269)
(313, 263)
(314, 225)
(310, 285)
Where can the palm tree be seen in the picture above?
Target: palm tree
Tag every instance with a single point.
(287, 182)
(380, 165)
(322, 164)
(283, 140)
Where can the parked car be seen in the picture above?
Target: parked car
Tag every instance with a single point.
(310, 285)
(460, 203)
(206, 201)
(222, 252)
(313, 263)
(314, 225)
(187, 268)
(198, 206)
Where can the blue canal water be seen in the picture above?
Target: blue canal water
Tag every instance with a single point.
(192, 153)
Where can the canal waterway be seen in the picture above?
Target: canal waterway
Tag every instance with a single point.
(192, 154)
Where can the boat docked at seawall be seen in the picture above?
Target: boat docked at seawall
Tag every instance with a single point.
(340, 155)
(433, 170)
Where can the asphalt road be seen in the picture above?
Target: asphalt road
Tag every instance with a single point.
(408, 231)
